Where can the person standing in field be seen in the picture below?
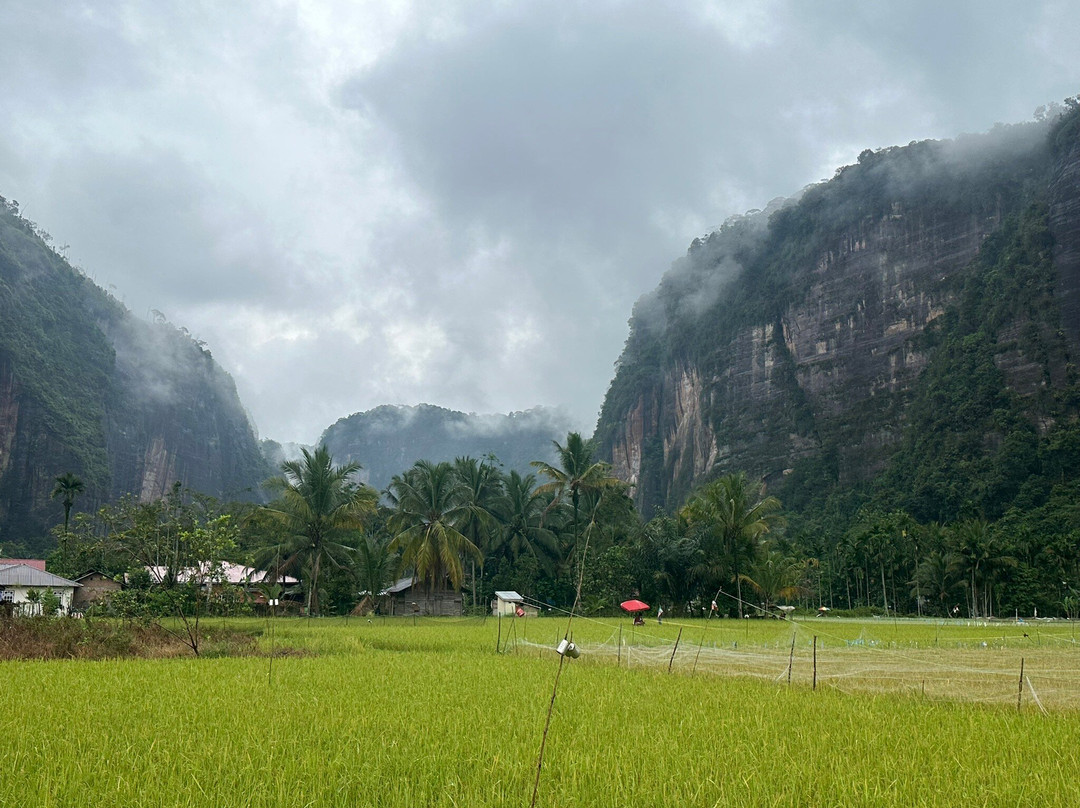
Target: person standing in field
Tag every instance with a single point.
(660, 615)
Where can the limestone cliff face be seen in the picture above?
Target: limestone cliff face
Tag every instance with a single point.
(174, 416)
(128, 406)
(9, 415)
(674, 413)
(1065, 224)
(818, 340)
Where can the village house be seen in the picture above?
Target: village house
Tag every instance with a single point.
(222, 573)
(214, 576)
(407, 596)
(17, 581)
(94, 587)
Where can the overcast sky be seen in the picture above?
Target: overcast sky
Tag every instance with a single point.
(358, 204)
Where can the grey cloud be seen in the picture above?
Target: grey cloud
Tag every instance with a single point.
(61, 54)
(164, 233)
(464, 212)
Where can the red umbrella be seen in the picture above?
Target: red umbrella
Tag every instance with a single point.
(634, 606)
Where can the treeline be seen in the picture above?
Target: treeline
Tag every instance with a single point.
(472, 528)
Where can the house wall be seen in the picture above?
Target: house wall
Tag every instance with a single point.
(18, 595)
(438, 604)
(505, 608)
(95, 588)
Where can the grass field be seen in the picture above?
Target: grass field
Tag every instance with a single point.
(393, 713)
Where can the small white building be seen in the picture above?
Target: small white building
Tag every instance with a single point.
(16, 581)
(511, 604)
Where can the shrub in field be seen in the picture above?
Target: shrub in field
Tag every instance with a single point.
(43, 637)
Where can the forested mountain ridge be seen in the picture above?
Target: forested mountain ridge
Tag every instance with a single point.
(904, 334)
(86, 388)
(387, 440)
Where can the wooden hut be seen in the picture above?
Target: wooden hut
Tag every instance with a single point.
(94, 587)
(407, 597)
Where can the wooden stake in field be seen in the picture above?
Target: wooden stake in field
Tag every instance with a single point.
(1020, 689)
(701, 642)
(815, 662)
(673, 650)
(791, 658)
(619, 652)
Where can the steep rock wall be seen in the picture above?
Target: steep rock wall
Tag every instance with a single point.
(830, 359)
(1065, 225)
(125, 405)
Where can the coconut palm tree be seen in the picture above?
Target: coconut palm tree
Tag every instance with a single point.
(67, 487)
(776, 577)
(521, 512)
(375, 565)
(430, 506)
(577, 475)
(737, 515)
(938, 577)
(984, 556)
(321, 507)
(481, 485)
(669, 559)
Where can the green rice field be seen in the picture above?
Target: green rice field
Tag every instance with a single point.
(442, 712)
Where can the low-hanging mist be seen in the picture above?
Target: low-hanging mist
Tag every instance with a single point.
(387, 440)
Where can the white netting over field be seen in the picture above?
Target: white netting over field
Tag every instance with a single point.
(952, 660)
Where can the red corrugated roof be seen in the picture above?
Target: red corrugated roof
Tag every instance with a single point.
(36, 563)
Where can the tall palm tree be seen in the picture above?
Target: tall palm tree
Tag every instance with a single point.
(481, 485)
(983, 555)
(521, 511)
(577, 475)
(375, 564)
(322, 507)
(430, 506)
(67, 487)
(737, 515)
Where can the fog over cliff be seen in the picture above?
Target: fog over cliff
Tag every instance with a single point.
(388, 440)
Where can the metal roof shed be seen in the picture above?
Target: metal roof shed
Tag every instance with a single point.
(507, 603)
